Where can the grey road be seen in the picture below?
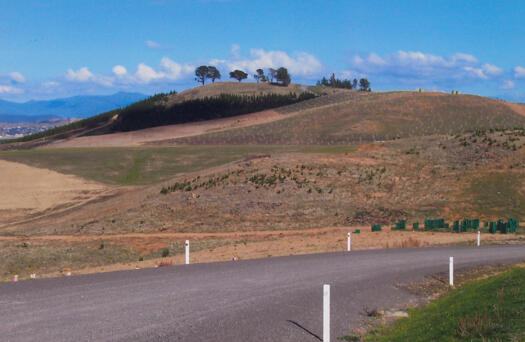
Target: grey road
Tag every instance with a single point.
(274, 299)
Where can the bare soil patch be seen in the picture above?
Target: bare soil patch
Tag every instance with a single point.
(27, 189)
(517, 107)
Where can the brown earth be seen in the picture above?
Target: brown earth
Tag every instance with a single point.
(517, 107)
(28, 190)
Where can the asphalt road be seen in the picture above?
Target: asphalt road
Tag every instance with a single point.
(274, 299)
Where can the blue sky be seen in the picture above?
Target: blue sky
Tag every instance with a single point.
(51, 49)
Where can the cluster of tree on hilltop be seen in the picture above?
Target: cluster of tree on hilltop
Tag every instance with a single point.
(153, 111)
(278, 76)
(333, 82)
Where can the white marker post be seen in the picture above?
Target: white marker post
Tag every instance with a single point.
(479, 238)
(451, 271)
(187, 244)
(15, 278)
(349, 242)
(326, 313)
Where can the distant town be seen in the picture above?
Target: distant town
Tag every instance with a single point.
(20, 129)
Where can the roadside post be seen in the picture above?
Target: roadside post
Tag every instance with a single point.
(326, 313)
(479, 238)
(187, 245)
(349, 242)
(451, 271)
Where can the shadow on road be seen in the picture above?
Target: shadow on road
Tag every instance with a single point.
(303, 328)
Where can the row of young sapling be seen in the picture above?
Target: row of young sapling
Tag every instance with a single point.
(488, 137)
(463, 226)
(278, 175)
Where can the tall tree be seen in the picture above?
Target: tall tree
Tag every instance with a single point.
(213, 74)
(333, 81)
(201, 74)
(354, 83)
(259, 76)
(272, 73)
(239, 75)
(364, 84)
(283, 76)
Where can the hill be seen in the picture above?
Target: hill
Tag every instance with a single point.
(360, 116)
(71, 107)
(339, 116)
(202, 103)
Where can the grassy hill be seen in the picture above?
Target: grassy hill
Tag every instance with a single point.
(359, 117)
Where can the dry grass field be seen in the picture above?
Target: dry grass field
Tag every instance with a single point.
(358, 117)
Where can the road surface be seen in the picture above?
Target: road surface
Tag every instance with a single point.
(273, 299)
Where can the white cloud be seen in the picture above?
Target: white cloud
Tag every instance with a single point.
(491, 70)
(50, 84)
(10, 90)
(235, 51)
(375, 59)
(476, 72)
(174, 70)
(216, 62)
(81, 75)
(417, 67)
(17, 77)
(119, 70)
(169, 70)
(146, 74)
(519, 72)
(154, 45)
(301, 63)
(463, 57)
(508, 85)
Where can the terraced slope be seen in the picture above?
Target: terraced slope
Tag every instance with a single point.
(355, 117)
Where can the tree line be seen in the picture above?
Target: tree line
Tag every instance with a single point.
(279, 76)
(333, 82)
(153, 111)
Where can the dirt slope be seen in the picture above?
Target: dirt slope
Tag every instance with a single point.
(28, 190)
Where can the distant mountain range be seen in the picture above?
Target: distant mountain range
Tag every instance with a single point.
(71, 107)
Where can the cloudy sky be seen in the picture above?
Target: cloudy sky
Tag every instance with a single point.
(51, 49)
